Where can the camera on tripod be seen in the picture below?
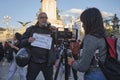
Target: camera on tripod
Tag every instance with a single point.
(66, 34)
(63, 39)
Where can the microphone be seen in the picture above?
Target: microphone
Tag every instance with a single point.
(47, 25)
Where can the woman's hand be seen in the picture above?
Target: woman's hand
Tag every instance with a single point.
(70, 61)
(31, 39)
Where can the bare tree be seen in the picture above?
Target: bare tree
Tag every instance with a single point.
(115, 21)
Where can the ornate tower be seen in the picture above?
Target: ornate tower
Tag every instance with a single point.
(49, 6)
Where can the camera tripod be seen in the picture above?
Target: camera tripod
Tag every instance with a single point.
(63, 60)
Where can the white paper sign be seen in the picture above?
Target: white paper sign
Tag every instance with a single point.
(42, 41)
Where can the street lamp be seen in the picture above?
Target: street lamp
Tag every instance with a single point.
(6, 19)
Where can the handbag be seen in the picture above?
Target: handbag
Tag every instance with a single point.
(23, 57)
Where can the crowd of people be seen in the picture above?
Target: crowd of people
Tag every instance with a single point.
(40, 41)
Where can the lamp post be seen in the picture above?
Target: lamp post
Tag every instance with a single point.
(6, 19)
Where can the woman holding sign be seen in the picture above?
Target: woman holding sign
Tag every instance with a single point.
(40, 42)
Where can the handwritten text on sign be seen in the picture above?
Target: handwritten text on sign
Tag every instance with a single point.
(42, 41)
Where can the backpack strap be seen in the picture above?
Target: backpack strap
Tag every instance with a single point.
(118, 48)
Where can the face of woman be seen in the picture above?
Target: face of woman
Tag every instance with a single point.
(42, 19)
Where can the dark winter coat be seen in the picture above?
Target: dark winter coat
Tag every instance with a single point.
(38, 55)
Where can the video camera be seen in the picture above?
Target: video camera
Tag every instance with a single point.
(65, 35)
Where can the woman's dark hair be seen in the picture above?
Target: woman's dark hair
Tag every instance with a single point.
(18, 36)
(93, 22)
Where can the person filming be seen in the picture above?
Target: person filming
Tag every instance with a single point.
(93, 46)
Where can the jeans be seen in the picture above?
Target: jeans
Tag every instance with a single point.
(13, 68)
(94, 75)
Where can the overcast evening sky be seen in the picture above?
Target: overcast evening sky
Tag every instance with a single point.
(25, 10)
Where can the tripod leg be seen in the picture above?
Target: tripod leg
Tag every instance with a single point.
(62, 71)
(75, 74)
(57, 71)
(66, 65)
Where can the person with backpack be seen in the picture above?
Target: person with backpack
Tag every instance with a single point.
(93, 45)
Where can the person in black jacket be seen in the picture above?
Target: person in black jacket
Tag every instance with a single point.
(1, 51)
(42, 57)
(8, 51)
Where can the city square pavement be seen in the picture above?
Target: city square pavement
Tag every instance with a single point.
(4, 68)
